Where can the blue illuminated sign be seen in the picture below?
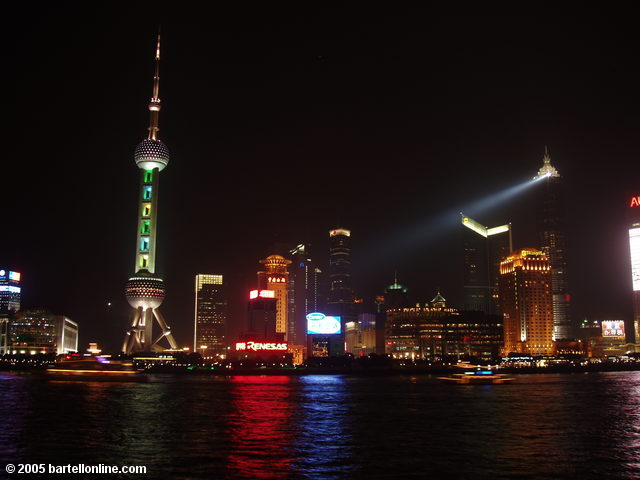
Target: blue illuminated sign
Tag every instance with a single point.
(321, 324)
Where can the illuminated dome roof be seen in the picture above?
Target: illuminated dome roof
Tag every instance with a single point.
(151, 154)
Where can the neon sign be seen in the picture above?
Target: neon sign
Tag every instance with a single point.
(262, 294)
(9, 288)
(612, 328)
(634, 247)
(260, 346)
(321, 324)
(635, 202)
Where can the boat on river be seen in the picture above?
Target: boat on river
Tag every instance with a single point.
(75, 367)
(477, 376)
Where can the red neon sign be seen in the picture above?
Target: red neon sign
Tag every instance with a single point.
(260, 346)
(635, 202)
(262, 294)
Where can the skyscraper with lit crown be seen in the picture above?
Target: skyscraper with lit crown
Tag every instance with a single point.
(526, 301)
(275, 277)
(145, 291)
(210, 315)
(553, 242)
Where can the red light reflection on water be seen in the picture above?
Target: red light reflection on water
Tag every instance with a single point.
(260, 430)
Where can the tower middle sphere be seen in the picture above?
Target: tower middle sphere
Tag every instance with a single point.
(151, 154)
(144, 290)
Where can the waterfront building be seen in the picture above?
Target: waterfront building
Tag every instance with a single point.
(37, 330)
(304, 284)
(633, 213)
(553, 243)
(275, 278)
(145, 291)
(366, 335)
(395, 295)
(526, 301)
(10, 291)
(484, 248)
(210, 315)
(262, 315)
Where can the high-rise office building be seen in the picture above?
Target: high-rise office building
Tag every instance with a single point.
(553, 242)
(634, 250)
(484, 249)
(340, 299)
(262, 311)
(304, 283)
(10, 290)
(275, 277)
(145, 291)
(526, 301)
(210, 315)
(395, 295)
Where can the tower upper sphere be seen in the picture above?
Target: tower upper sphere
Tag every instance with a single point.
(151, 154)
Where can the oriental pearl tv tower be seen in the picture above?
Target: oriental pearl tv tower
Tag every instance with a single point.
(144, 290)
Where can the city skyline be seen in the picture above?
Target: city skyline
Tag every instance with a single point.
(400, 170)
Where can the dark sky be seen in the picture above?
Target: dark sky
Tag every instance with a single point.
(284, 123)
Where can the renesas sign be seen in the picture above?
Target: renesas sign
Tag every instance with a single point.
(260, 346)
(321, 324)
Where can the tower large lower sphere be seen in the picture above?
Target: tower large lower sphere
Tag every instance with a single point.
(144, 290)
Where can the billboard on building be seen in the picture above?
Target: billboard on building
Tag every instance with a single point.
(321, 324)
(613, 328)
(634, 244)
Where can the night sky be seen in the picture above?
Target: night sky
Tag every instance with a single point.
(283, 124)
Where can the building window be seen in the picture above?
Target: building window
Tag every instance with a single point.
(146, 193)
(144, 244)
(146, 227)
(146, 209)
(148, 176)
(144, 261)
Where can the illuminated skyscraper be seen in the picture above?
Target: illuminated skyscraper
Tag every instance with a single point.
(145, 291)
(9, 291)
(553, 242)
(340, 297)
(484, 249)
(275, 277)
(526, 301)
(634, 250)
(304, 282)
(210, 315)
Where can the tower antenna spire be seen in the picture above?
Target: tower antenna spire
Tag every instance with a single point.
(154, 104)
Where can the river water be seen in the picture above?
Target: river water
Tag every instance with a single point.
(328, 426)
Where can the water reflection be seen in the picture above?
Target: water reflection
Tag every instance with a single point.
(324, 446)
(260, 427)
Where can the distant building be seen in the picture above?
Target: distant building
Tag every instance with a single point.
(275, 277)
(395, 295)
(340, 301)
(553, 243)
(436, 332)
(210, 315)
(484, 249)
(37, 330)
(10, 291)
(304, 284)
(526, 300)
(262, 315)
(634, 251)
(366, 335)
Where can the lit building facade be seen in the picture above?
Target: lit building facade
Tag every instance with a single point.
(275, 277)
(210, 315)
(262, 315)
(366, 335)
(484, 249)
(436, 332)
(634, 251)
(10, 291)
(304, 284)
(526, 300)
(37, 330)
(553, 242)
(145, 291)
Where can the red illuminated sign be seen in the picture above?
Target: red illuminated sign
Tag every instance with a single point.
(262, 294)
(635, 202)
(260, 346)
